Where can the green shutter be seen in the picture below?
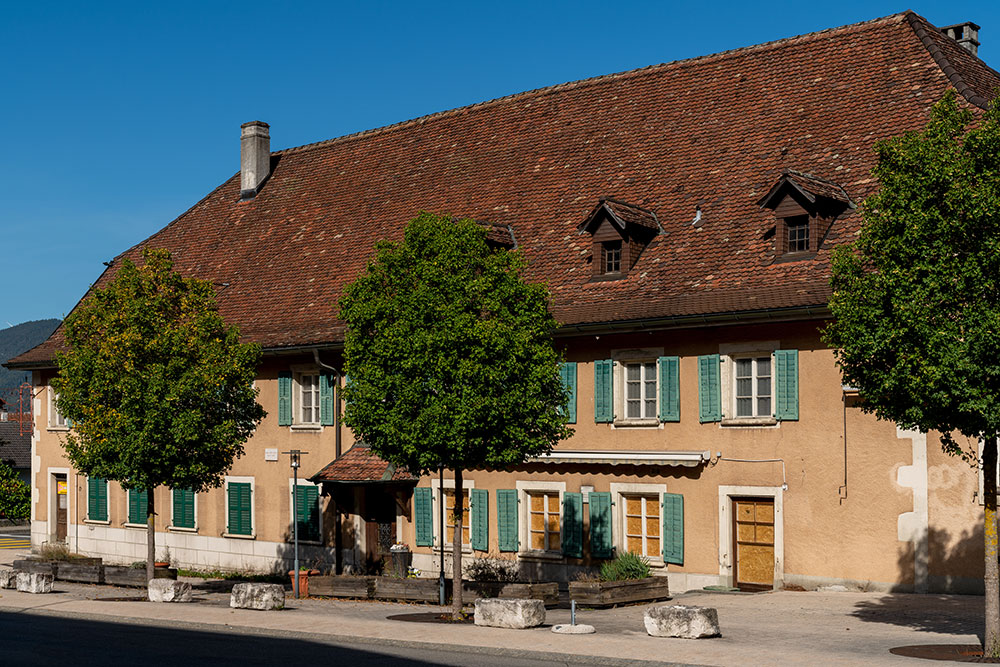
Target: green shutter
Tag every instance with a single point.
(670, 395)
(507, 519)
(183, 508)
(326, 389)
(673, 528)
(307, 515)
(709, 392)
(567, 372)
(786, 384)
(285, 398)
(604, 412)
(138, 506)
(423, 516)
(572, 525)
(240, 514)
(97, 499)
(601, 544)
(479, 519)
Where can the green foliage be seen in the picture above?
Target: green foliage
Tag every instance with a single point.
(626, 565)
(158, 389)
(916, 299)
(15, 496)
(491, 569)
(449, 353)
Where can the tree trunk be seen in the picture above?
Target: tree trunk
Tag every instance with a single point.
(991, 643)
(456, 551)
(150, 534)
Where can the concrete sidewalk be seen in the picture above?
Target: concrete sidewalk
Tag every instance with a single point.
(761, 629)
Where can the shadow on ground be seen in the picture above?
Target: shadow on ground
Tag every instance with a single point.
(946, 614)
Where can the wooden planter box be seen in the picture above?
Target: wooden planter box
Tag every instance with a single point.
(412, 590)
(121, 575)
(342, 586)
(37, 566)
(87, 574)
(546, 592)
(611, 593)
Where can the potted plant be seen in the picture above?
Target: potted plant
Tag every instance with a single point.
(304, 572)
(164, 560)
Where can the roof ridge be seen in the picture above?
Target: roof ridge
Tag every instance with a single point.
(579, 83)
(919, 26)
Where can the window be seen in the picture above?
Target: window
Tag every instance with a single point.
(641, 525)
(308, 409)
(640, 390)
(543, 521)
(752, 386)
(307, 515)
(239, 507)
(611, 257)
(798, 233)
(449, 517)
(138, 506)
(183, 512)
(97, 499)
(56, 420)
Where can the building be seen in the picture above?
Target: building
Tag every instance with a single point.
(682, 216)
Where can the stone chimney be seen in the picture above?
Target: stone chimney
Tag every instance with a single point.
(255, 157)
(966, 34)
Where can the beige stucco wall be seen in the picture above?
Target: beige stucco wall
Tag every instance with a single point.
(867, 533)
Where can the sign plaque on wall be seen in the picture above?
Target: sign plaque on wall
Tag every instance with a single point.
(270, 454)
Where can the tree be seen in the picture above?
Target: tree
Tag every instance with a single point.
(158, 390)
(15, 496)
(916, 299)
(450, 358)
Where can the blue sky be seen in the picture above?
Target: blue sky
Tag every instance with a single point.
(117, 117)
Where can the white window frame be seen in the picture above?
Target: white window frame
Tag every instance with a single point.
(729, 353)
(127, 523)
(56, 421)
(86, 504)
(467, 486)
(621, 359)
(253, 507)
(182, 529)
(291, 510)
(524, 489)
(618, 495)
(755, 377)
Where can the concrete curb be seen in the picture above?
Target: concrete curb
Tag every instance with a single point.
(334, 639)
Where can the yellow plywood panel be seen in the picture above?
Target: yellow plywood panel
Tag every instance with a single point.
(633, 525)
(537, 540)
(744, 511)
(765, 513)
(450, 534)
(553, 523)
(634, 544)
(553, 502)
(653, 547)
(653, 526)
(537, 521)
(745, 532)
(756, 564)
(554, 543)
(537, 503)
(633, 505)
(765, 534)
(652, 508)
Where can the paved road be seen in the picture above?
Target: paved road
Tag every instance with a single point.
(39, 639)
(14, 541)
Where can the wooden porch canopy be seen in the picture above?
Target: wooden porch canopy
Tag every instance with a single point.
(359, 466)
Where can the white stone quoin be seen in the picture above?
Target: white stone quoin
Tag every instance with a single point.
(681, 621)
(33, 582)
(263, 597)
(8, 578)
(169, 590)
(517, 614)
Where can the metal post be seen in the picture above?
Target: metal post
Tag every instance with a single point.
(441, 596)
(295, 454)
(572, 612)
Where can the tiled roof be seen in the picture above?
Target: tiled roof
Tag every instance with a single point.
(624, 213)
(358, 464)
(710, 134)
(808, 185)
(15, 447)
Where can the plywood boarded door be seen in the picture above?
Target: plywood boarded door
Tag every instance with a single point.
(753, 535)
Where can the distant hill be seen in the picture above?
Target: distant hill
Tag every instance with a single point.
(17, 339)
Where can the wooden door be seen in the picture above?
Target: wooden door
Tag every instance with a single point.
(62, 507)
(753, 535)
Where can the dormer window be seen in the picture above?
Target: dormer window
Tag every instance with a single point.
(804, 208)
(620, 233)
(611, 257)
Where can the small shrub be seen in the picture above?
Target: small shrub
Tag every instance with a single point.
(54, 551)
(587, 576)
(625, 566)
(491, 569)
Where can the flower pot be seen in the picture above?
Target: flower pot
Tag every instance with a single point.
(303, 581)
(161, 563)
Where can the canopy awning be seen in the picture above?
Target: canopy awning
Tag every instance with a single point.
(618, 457)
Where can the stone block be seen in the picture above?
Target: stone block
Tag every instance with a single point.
(34, 582)
(682, 621)
(503, 613)
(8, 578)
(169, 590)
(264, 597)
